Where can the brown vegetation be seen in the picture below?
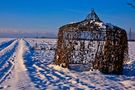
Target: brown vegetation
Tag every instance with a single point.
(103, 47)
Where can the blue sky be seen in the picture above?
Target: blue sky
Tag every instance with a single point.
(49, 15)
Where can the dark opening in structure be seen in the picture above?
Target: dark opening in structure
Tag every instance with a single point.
(102, 46)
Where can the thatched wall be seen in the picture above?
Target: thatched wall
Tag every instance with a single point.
(104, 48)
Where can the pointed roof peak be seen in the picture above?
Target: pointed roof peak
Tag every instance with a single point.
(93, 16)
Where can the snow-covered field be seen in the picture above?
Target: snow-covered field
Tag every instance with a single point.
(23, 66)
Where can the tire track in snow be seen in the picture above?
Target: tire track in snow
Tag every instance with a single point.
(5, 56)
(9, 67)
(5, 44)
(23, 81)
(6, 63)
(7, 52)
(19, 79)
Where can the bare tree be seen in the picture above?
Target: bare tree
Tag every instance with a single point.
(131, 4)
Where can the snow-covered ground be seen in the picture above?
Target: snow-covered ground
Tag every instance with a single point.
(24, 67)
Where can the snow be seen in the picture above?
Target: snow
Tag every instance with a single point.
(101, 25)
(2, 40)
(26, 68)
(7, 48)
(127, 84)
(19, 78)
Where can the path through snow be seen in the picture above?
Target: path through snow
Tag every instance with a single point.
(32, 71)
(19, 79)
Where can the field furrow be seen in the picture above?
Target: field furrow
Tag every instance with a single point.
(26, 64)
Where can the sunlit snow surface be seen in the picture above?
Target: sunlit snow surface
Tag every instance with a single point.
(24, 68)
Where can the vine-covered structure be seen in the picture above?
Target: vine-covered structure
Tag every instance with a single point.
(102, 46)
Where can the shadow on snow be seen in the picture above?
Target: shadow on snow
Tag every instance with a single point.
(52, 78)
